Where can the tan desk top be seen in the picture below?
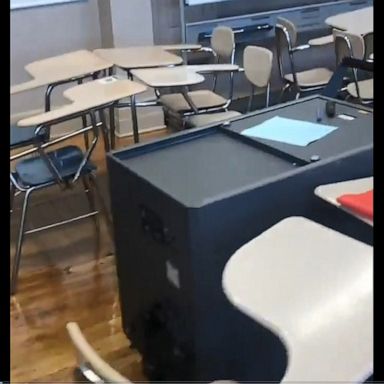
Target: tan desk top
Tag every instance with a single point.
(358, 22)
(323, 40)
(313, 288)
(181, 47)
(209, 68)
(168, 77)
(331, 192)
(60, 68)
(139, 57)
(179, 76)
(87, 96)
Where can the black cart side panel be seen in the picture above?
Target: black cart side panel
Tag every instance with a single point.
(157, 316)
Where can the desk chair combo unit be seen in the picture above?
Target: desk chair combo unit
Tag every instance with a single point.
(179, 105)
(286, 44)
(258, 63)
(50, 73)
(353, 46)
(67, 165)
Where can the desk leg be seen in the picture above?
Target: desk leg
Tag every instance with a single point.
(112, 126)
(134, 119)
(84, 122)
(104, 130)
(47, 106)
(135, 125)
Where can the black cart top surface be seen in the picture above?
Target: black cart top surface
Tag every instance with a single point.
(351, 134)
(199, 167)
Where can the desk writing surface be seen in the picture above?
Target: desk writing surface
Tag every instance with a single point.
(89, 95)
(180, 47)
(313, 287)
(348, 136)
(331, 192)
(139, 57)
(210, 68)
(60, 68)
(168, 77)
(359, 21)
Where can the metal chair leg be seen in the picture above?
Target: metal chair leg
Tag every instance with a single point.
(250, 100)
(12, 197)
(112, 127)
(103, 206)
(104, 130)
(92, 206)
(285, 88)
(16, 261)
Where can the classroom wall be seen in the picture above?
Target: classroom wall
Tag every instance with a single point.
(132, 26)
(45, 31)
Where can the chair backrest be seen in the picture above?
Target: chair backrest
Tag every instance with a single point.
(368, 45)
(258, 65)
(286, 38)
(223, 44)
(348, 45)
(290, 28)
(88, 358)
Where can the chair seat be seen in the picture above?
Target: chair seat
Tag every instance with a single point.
(201, 98)
(22, 137)
(210, 118)
(34, 171)
(312, 78)
(365, 89)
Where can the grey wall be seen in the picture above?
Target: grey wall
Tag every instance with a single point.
(42, 32)
(132, 22)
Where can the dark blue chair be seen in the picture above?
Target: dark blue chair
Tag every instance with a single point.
(64, 166)
(23, 137)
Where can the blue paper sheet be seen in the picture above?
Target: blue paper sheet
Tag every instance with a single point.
(289, 131)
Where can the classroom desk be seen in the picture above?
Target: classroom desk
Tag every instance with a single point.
(180, 76)
(68, 67)
(63, 69)
(131, 58)
(313, 287)
(331, 192)
(320, 41)
(94, 94)
(359, 22)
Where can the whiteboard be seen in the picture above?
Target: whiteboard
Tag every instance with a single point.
(18, 4)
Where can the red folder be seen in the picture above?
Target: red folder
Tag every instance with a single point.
(361, 203)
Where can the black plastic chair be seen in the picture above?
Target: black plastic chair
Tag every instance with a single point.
(63, 167)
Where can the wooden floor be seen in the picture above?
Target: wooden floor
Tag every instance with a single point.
(62, 279)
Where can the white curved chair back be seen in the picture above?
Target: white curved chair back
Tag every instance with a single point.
(92, 366)
(348, 45)
(312, 287)
(290, 28)
(223, 43)
(258, 65)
